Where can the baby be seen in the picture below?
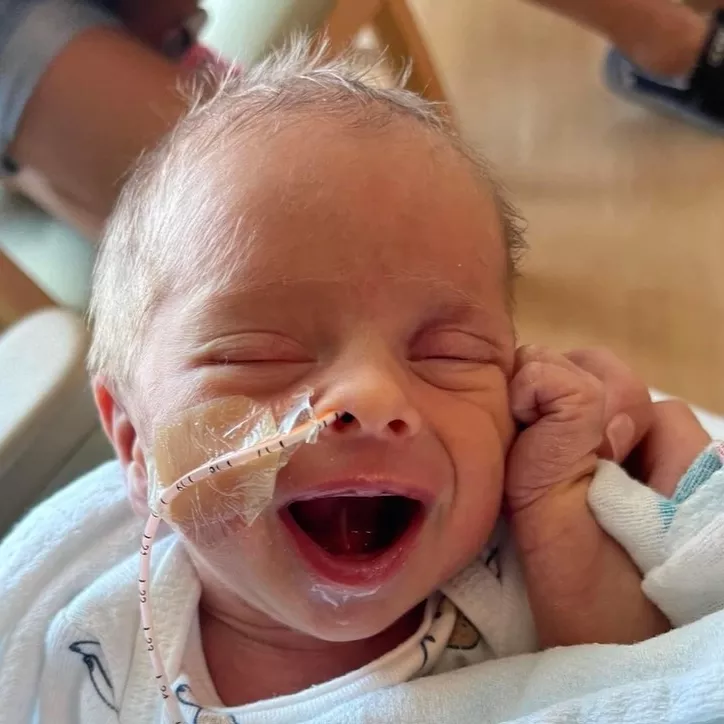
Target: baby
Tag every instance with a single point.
(302, 230)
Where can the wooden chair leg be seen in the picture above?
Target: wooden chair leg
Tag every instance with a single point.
(19, 295)
(347, 19)
(398, 30)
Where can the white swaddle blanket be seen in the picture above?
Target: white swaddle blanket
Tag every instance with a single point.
(69, 542)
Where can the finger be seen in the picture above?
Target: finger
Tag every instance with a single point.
(528, 353)
(628, 409)
(675, 439)
(540, 389)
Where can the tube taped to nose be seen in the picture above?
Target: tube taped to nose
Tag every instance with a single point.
(202, 434)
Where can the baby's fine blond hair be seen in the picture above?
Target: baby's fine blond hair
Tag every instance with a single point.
(165, 229)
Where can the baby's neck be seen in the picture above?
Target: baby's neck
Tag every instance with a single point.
(250, 662)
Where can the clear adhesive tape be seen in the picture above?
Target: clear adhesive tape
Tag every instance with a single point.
(206, 432)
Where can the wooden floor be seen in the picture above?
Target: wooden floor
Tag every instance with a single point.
(626, 209)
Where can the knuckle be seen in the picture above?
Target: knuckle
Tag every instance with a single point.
(528, 353)
(535, 371)
(596, 392)
(591, 387)
(531, 374)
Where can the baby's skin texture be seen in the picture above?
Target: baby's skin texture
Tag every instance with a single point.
(377, 275)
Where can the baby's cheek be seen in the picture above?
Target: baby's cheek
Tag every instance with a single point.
(226, 506)
(478, 495)
(236, 559)
(492, 407)
(229, 499)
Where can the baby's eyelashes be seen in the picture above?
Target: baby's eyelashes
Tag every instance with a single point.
(254, 348)
(252, 364)
(453, 346)
(457, 360)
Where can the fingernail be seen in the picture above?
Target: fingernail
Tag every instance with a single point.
(620, 434)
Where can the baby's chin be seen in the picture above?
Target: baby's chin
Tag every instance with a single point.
(362, 621)
(282, 593)
(305, 606)
(341, 616)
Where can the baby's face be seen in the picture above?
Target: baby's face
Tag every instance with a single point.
(376, 276)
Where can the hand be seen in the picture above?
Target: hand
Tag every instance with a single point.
(561, 410)
(582, 585)
(655, 442)
(169, 26)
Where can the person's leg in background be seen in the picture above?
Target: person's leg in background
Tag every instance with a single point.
(665, 55)
(662, 37)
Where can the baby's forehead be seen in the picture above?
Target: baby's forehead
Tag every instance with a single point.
(344, 210)
(347, 182)
(307, 154)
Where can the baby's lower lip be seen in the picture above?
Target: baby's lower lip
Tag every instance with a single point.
(352, 557)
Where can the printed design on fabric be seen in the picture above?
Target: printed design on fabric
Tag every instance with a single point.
(201, 715)
(428, 639)
(464, 636)
(91, 652)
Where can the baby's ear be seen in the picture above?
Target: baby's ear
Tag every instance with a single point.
(123, 436)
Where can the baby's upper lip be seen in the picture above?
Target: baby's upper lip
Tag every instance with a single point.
(362, 486)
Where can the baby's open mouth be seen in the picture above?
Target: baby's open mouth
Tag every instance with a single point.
(354, 526)
(354, 539)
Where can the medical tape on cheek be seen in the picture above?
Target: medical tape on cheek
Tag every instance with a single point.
(203, 436)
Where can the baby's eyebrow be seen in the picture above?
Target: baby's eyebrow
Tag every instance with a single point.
(479, 319)
(451, 303)
(445, 301)
(454, 313)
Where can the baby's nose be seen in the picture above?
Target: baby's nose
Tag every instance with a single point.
(374, 406)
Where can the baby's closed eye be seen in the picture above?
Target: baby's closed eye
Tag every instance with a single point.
(455, 360)
(453, 346)
(254, 348)
(253, 363)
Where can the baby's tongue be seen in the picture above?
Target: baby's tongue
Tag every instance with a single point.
(343, 525)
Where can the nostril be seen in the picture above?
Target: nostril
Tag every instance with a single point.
(398, 427)
(347, 422)
(344, 421)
